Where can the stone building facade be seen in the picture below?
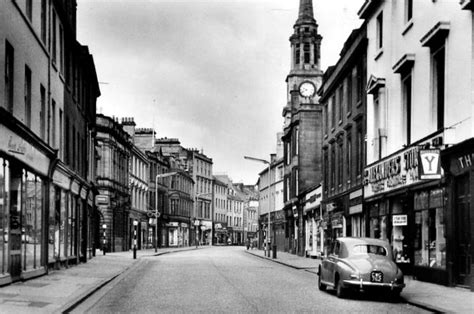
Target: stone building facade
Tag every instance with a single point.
(113, 147)
(303, 122)
(420, 107)
(344, 100)
(47, 105)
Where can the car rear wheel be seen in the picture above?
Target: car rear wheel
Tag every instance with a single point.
(321, 286)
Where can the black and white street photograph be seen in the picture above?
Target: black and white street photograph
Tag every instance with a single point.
(236, 156)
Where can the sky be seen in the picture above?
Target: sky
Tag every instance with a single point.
(208, 72)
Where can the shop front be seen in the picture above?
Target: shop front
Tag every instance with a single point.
(175, 232)
(138, 230)
(312, 217)
(407, 210)
(25, 164)
(357, 221)
(69, 218)
(220, 233)
(206, 232)
(279, 231)
(458, 163)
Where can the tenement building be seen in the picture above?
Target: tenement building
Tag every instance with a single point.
(138, 168)
(302, 123)
(113, 147)
(420, 108)
(219, 192)
(177, 224)
(343, 97)
(48, 95)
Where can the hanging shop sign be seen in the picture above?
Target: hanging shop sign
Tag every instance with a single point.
(399, 220)
(399, 170)
(295, 211)
(430, 164)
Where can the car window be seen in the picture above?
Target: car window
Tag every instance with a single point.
(336, 248)
(369, 249)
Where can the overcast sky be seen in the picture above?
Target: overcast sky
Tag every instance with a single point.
(211, 73)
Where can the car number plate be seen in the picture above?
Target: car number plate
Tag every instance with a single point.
(376, 276)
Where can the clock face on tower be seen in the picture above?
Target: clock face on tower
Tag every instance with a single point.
(307, 89)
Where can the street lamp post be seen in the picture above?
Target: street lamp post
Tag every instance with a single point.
(267, 240)
(161, 175)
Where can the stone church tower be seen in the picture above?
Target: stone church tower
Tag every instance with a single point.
(302, 131)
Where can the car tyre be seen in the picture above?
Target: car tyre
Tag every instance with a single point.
(340, 291)
(321, 286)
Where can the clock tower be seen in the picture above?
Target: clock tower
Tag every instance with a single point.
(302, 131)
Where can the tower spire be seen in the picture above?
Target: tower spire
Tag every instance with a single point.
(306, 14)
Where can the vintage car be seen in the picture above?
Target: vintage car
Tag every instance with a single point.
(360, 264)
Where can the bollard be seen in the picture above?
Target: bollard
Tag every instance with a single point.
(135, 223)
(274, 249)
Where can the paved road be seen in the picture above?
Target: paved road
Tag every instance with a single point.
(223, 280)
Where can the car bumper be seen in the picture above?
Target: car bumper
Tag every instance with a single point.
(368, 284)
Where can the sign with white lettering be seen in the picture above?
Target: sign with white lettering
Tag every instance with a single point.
(400, 170)
(430, 164)
(399, 220)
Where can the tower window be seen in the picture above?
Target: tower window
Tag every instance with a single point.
(306, 53)
(297, 54)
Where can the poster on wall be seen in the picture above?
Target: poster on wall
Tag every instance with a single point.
(399, 220)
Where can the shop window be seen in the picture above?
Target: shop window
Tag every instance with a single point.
(71, 233)
(400, 240)
(4, 231)
(31, 231)
(378, 221)
(357, 226)
(62, 225)
(430, 241)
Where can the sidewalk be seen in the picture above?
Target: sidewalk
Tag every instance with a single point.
(432, 297)
(61, 289)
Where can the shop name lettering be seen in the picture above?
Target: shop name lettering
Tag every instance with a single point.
(465, 161)
(16, 147)
(393, 172)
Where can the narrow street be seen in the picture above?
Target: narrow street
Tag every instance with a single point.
(224, 279)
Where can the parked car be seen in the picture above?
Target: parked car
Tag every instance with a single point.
(363, 264)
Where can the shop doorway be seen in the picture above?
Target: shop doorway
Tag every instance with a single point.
(462, 231)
